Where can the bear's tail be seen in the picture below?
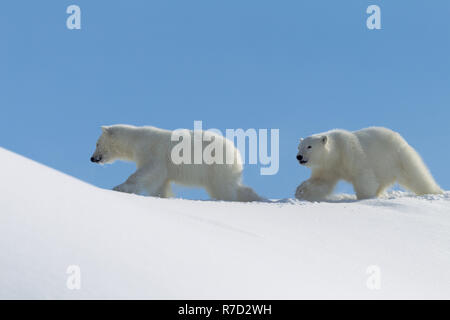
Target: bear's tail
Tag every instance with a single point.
(247, 194)
(415, 175)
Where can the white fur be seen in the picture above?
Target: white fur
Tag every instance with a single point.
(150, 148)
(372, 159)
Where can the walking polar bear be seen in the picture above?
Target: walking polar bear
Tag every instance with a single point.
(371, 159)
(151, 149)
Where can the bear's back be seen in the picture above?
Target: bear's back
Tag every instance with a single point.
(382, 149)
(373, 137)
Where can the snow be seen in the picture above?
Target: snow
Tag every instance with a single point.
(130, 246)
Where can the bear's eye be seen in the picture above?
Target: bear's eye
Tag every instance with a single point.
(309, 147)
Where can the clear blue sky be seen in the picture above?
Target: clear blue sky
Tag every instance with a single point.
(299, 66)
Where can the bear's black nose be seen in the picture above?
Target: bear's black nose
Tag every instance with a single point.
(299, 157)
(92, 159)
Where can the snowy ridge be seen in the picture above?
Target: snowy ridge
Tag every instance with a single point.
(130, 246)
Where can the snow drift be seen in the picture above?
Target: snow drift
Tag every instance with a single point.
(130, 246)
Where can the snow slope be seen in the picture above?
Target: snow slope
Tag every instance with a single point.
(130, 246)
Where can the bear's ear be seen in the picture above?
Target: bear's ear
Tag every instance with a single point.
(105, 129)
(324, 139)
(301, 139)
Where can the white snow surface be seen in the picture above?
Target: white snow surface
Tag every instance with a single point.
(130, 246)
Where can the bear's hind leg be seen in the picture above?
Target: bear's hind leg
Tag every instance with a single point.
(156, 185)
(224, 191)
(419, 184)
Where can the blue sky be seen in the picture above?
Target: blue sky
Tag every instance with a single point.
(298, 66)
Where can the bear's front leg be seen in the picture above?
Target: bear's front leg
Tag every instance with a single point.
(314, 189)
(134, 183)
(301, 189)
(366, 185)
(127, 188)
(150, 178)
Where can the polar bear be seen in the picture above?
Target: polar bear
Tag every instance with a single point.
(371, 159)
(150, 148)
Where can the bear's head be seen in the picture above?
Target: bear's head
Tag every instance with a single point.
(106, 150)
(312, 151)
